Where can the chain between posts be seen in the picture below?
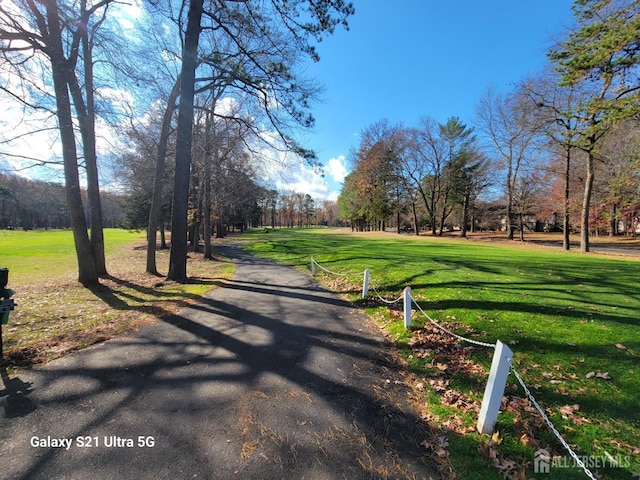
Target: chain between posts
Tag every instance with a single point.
(544, 416)
(334, 273)
(555, 431)
(388, 302)
(459, 337)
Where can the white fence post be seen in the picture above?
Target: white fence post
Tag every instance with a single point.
(494, 391)
(365, 283)
(407, 306)
(313, 267)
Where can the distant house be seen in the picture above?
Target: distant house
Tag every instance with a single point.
(530, 221)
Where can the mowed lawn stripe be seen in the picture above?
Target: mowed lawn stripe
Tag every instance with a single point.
(571, 320)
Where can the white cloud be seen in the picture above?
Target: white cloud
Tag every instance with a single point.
(128, 15)
(287, 172)
(121, 100)
(336, 168)
(227, 106)
(303, 179)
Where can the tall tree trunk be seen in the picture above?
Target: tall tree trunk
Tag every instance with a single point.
(465, 212)
(565, 221)
(178, 254)
(158, 184)
(87, 273)
(521, 220)
(88, 131)
(432, 216)
(85, 112)
(613, 223)
(586, 203)
(207, 186)
(443, 217)
(163, 238)
(510, 183)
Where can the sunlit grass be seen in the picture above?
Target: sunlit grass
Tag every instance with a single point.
(566, 316)
(55, 314)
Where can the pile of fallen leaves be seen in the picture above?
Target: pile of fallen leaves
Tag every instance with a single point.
(444, 357)
(340, 283)
(444, 360)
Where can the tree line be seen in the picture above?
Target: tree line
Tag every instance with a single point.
(32, 204)
(207, 91)
(64, 59)
(561, 147)
(423, 173)
(28, 204)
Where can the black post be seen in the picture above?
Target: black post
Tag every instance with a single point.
(6, 303)
(4, 279)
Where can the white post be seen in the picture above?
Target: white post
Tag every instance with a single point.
(407, 306)
(365, 283)
(313, 267)
(494, 391)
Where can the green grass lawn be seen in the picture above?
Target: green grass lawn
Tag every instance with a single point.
(36, 254)
(55, 314)
(571, 320)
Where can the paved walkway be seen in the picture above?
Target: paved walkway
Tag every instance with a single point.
(270, 377)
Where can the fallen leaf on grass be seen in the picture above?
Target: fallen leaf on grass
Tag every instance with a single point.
(581, 420)
(505, 465)
(568, 410)
(621, 346)
(590, 374)
(441, 452)
(439, 385)
(604, 376)
(529, 441)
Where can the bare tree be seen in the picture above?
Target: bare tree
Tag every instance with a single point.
(560, 123)
(36, 35)
(35, 30)
(601, 55)
(621, 177)
(424, 165)
(511, 126)
(276, 26)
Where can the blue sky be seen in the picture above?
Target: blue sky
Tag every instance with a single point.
(401, 61)
(423, 58)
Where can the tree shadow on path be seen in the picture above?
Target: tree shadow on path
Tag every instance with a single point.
(271, 376)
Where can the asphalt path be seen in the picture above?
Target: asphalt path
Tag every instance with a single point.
(269, 377)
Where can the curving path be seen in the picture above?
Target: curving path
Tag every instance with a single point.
(269, 377)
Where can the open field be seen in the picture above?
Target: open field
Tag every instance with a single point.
(55, 314)
(571, 320)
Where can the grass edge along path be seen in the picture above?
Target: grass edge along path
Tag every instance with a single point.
(570, 318)
(56, 315)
